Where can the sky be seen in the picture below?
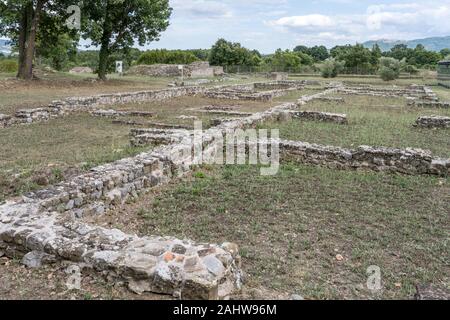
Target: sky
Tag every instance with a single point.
(267, 25)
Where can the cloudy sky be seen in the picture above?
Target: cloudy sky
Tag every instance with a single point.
(270, 24)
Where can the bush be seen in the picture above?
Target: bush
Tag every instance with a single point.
(166, 57)
(388, 74)
(331, 68)
(8, 66)
(389, 68)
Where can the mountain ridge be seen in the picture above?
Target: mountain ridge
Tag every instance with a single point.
(431, 43)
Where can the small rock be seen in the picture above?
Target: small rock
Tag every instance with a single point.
(35, 259)
(214, 265)
(339, 257)
(168, 256)
(297, 297)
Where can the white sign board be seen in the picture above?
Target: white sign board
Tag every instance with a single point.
(180, 67)
(119, 67)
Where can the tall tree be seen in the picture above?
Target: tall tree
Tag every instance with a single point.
(20, 21)
(115, 25)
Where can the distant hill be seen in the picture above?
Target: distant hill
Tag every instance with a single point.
(4, 47)
(433, 44)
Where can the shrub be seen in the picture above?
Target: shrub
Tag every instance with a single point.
(331, 68)
(389, 68)
(8, 66)
(388, 74)
(166, 57)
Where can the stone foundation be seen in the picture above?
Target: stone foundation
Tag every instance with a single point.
(318, 116)
(163, 265)
(88, 104)
(408, 161)
(433, 122)
(414, 91)
(429, 104)
(114, 114)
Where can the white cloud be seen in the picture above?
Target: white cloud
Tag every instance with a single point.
(207, 9)
(307, 21)
(398, 20)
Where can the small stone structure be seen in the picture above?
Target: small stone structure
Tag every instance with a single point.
(407, 161)
(318, 116)
(331, 99)
(414, 91)
(433, 122)
(117, 113)
(250, 92)
(194, 70)
(429, 104)
(164, 265)
(279, 85)
(81, 70)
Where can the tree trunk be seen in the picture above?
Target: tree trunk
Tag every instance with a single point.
(27, 16)
(26, 62)
(105, 42)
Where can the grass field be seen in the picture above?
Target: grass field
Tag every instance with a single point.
(373, 121)
(291, 227)
(56, 149)
(16, 94)
(308, 230)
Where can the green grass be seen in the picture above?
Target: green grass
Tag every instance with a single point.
(373, 121)
(74, 143)
(290, 227)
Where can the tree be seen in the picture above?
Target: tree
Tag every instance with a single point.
(305, 58)
(226, 53)
(389, 68)
(301, 48)
(445, 52)
(319, 53)
(357, 59)
(57, 54)
(167, 57)
(20, 21)
(375, 55)
(285, 60)
(115, 25)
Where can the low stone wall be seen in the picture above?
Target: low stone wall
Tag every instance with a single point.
(318, 116)
(88, 104)
(27, 116)
(237, 94)
(415, 91)
(408, 161)
(224, 112)
(429, 104)
(433, 122)
(114, 113)
(331, 99)
(278, 85)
